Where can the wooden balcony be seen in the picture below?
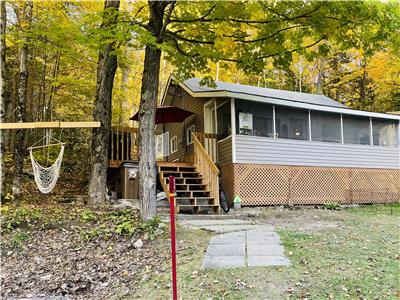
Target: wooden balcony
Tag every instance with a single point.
(123, 145)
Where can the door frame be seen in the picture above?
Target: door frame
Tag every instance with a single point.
(209, 106)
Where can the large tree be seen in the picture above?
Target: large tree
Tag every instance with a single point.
(25, 20)
(107, 65)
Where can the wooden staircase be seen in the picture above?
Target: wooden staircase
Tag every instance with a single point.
(192, 191)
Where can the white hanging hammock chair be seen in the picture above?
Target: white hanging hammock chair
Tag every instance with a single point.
(46, 177)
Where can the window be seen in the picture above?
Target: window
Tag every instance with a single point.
(224, 120)
(162, 149)
(356, 130)
(253, 118)
(291, 123)
(189, 131)
(325, 127)
(173, 144)
(384, 132)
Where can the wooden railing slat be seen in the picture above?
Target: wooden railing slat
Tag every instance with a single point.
(206, 167)
(123, 139)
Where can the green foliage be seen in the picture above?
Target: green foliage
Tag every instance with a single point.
(87, 215)
(19, 217)
(150, 227)
(89, 224)
(19, 238)
(125, 227)
(332, 206)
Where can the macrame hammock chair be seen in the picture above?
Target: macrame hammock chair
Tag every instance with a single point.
(46, 177)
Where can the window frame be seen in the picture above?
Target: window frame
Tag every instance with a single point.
(173, 140)
(189, 139)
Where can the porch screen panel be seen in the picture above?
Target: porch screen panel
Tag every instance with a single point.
(261, 114)
(224, 128)
(385, 132)
(291, 123)
(325, 127)
(356, 130)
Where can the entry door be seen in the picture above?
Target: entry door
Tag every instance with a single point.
(210, 128)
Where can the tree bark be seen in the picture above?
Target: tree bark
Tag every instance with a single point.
(26, 19)
(3, 18)
(147, 113)
(124, 92)
(107, 65)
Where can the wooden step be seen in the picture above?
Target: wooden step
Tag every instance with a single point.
(181, 180)
(195, 200)
(180, 174)
(197, 208)
(189, 193)
(184, 201)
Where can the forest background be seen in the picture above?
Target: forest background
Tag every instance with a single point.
(63, 39)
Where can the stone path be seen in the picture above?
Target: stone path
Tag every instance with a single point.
(240, 244)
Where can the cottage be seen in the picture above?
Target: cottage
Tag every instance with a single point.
(277, 147)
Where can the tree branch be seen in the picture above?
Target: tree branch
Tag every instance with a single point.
(278, 53)
(167, 20)
(267, 37)
(200, 19)
(182, 38)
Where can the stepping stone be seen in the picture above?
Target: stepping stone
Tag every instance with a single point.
(229, 228)
(202, 223)
(240, 243)
(232, 238)
(266, 240)
(255, 237)
(223, 262)
(226, 250)
(264, 261)
(265, 250)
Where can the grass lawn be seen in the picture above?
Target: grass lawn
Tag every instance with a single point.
(346, 254)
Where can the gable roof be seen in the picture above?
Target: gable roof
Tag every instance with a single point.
(194, 85)
(314, 102)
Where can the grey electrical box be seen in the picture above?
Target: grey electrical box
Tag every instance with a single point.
(129, 180)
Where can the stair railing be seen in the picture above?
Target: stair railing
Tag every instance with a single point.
(209, 142)
(207, 168)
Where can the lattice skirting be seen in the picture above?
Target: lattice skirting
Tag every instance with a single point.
(291, 185)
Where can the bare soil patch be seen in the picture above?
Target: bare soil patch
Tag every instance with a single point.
(301, 219)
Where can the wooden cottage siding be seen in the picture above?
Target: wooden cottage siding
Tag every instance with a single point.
(194, 105)
(260, 150)
(225, 151)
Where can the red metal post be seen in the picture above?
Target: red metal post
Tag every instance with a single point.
(173, 239)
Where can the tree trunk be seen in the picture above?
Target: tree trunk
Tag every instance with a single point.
(26, 18)
(3, 17)
(107, 65)
(147, 113)
(124, 92)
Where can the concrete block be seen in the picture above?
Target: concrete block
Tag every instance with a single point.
(262, 261)
(265, 250)
(223, 262)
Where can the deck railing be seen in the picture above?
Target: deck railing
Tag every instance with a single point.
(207, 168)
(209, 142)
(123, 145)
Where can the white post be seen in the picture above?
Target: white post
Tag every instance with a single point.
(341, 128)
(371, 132)
(309, 124)
(273, 122)
(233, 129)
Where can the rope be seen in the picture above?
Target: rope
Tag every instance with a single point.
(46, 177)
